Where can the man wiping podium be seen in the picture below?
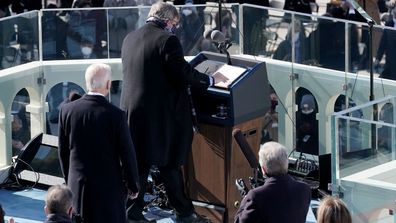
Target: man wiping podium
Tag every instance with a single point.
(155, 96)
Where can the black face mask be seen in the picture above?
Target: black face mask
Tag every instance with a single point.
(274, 103)
(161, 23)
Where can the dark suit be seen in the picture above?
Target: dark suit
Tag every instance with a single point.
(97, 157)
(155, 98)
(280, 200)
(387, 46)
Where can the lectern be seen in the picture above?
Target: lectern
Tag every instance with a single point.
(239, 101)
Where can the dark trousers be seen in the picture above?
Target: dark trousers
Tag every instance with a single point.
(173, 181)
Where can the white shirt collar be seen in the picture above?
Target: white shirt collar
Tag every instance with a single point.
(94, 93)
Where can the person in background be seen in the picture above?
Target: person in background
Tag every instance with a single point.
(2, 214)
(19, 135)
(155, 81)
(96, 152)
(58, 204)
(307, 126)
(121, 22)
(387, 47)
(332, 209)
(281, 198)
(297, 37)
(269, 131)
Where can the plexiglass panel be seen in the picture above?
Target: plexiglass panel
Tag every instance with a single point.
(364, 163)
(78, 34)
(19, 39)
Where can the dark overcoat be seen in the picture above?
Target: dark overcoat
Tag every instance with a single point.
(97, 158)
(154, 95)
(280, 199)
(387, 46)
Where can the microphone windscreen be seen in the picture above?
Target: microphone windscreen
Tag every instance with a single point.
(245, 147)
(218, 36)
(207, 33)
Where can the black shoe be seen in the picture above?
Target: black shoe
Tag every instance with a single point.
(141, 221)
(138, 218)
(193, 218)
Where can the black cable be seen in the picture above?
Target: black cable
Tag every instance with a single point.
(17, 176)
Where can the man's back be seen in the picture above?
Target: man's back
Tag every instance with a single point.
(94, 138)
(280, 199)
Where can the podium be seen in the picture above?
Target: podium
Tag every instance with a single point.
(216, 160)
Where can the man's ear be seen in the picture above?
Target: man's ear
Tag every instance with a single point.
(46, 211)
(70, 212)
(108, 85)
(263, 170)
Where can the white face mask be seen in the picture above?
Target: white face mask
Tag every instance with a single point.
(86, 51)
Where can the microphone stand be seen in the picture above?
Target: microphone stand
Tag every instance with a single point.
(223, 49)
(370, 22)
(375, 106)
(220, 16)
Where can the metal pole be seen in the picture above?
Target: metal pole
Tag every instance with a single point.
(375, 106)
(220, 17)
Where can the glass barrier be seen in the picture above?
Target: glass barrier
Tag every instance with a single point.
(82, 33)
(364, 153)
(19, 39)
(254, 22)
(120, 23)
(208, 18)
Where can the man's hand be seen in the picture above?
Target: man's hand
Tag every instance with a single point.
(132, 195)
(219, 77)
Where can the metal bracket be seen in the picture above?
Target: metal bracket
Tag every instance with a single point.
(41, 80)
(293, 76)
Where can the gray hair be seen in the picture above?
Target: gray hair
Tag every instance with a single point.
(59, 199)
(97, 75)
(163, 11)
(273, 158)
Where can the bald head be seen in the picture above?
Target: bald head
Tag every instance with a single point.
(98, 78)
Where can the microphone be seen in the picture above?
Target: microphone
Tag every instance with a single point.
(246, 149)
(207, 34)
(222, 43)
(218, 36)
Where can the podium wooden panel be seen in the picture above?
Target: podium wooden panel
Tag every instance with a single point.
(216, 162)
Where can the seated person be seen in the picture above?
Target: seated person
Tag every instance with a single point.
(58, 204)
(333, 209)
(281, 198)
(19, 135)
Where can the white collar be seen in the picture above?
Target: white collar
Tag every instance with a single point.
(94, 93)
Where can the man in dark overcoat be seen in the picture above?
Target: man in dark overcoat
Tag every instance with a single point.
(154, 95)
(281, 198)
(96, 152)
(387, 47)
